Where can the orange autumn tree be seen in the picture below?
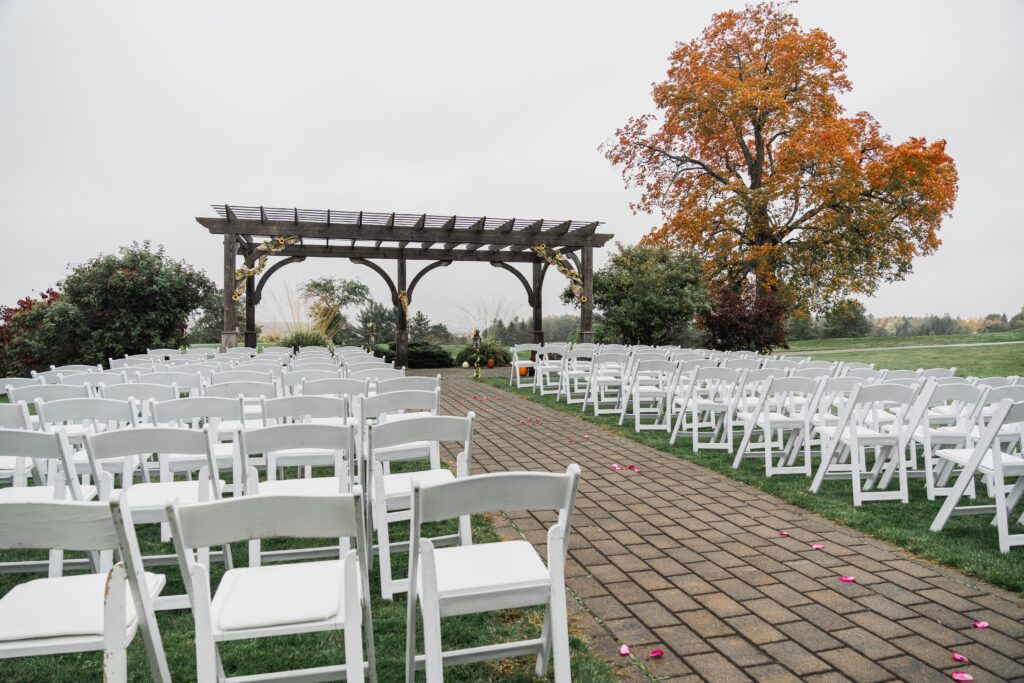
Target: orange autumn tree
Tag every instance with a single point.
(754, 164)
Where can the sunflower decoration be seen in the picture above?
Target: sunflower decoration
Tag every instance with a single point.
(561, 262)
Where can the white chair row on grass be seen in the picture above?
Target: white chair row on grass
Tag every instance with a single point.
(272, 596)
(873, 428)
(269, 367)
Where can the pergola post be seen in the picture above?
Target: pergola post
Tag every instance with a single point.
(401, 320)
(538, 314)
(587, 305)
(250, 313)
(229, 329)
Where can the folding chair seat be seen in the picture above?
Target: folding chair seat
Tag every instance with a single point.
(993, 458)
(279, 599)
(469, 578)
(81, 613)
(390, 493)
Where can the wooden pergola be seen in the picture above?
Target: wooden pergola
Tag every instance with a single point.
(289, 235)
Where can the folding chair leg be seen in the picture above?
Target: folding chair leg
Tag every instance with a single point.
(115, 653)
(559, 620)
(545, 653)
(432, 640)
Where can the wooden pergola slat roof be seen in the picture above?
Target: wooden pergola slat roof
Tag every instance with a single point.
(404, 235)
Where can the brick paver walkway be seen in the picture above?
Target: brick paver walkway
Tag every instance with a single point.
(679, 557)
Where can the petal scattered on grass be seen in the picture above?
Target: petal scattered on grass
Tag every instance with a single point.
(624, 651)
(962, 676)
(848, 579)
(783, 533)
(657, 652)
(957, 657)
(979, 624)
(818, 546)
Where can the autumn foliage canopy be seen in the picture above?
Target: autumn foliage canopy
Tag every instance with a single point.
(754, 164)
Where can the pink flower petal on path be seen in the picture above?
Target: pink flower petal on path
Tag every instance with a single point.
(657, 652)
(586, 437)
(571, 441)
(818, 546)
(484, 398)
(475, 397)
(520, 421)
(957, 657)
(633, 467)
(624, 651)
(848, 579)
(617, 466)
(962, 676)
(783, 533)
(538, 420)
(979, 624)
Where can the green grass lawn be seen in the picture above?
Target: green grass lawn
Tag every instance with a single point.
(885, 342)
(968, 543)
(320, 649)
(977, 361)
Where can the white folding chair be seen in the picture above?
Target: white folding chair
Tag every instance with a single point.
(572, 376)
(147, 500)
(529, 363)
(548, 367)
(993, 457)
(784, 409)
(649, 393)
(951, 413)
(409, 384)
(713, 396)
(222, 417)
(189, 383)
(14, 468)
(85, 612)
(606, 383)
(861, 426)
(468, 578)
(139, 395)
(279, 599)
(389, 499)
(292, 380)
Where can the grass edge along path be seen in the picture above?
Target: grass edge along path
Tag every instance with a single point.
(968, 544)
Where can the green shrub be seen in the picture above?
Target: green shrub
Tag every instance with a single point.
(489, 349)
(306, 338)
(421, 355)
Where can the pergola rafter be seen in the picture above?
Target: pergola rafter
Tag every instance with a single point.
(363, 236)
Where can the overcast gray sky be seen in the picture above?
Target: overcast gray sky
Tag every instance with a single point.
(122, 121)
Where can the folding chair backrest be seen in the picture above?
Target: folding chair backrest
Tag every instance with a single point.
(235, 376)
(296, 408)
(46, 392)
(276, 350)
(427, 428)
(349, 388)
(310, 366)
(1014, 392)
(688, 367)
(182, 380)
(295, 436)
(485, 493)
(885, 393)
(15, 416)
(202, 525)
(164, 353)
(243, 389)
(557, 348)
(901, 374)
(992, 382)
(408, 384)
(756, 376)
(818, 364)
(811, 373)
(58, 524)
(781, 363)
(862, 373)
(790, 385)
(78, 409)
(204, 370)
(742, 363)
(17, 383)
(41, 446)
(190, 410)
(93, 379)
(372, 407)
(530, 348)
(376, 374)
(120, 443)
(317, 349)
(295, 378)
(960, 392)
(937, 372)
